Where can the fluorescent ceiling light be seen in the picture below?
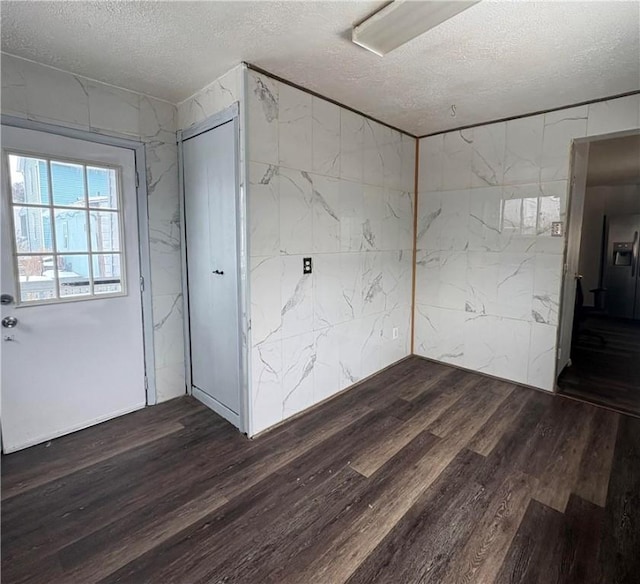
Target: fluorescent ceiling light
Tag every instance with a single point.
(403, 20)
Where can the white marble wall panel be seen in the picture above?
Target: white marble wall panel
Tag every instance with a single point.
(542, 355)
(215, 97)
(262, 118)
(392, 161)
(267, 390)
(266, 274)
(14, 87)
(54, 96)
(351, 145)
(457, 154)
(430, 164)
(43, 94)
(376, 138)
(523, 150)
(294, 128)
(326, 214)
(264, 208)
(341, 192)
(560, 129)
(326, 371)
(489, 143)
(489, 273)
(614, 115)
(325, 137)
(441, 333)
(299, 358)
(296, 211)
(407, 178)
(112, 109)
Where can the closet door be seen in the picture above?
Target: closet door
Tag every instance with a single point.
(211, 217)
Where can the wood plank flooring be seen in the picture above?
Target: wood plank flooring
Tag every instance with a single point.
(422, 474)
(606, 373)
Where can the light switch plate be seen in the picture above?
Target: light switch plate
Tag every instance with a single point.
(557, 229)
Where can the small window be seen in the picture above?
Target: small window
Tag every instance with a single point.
(67, 226)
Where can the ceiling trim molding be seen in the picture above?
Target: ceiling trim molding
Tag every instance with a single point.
(257, 69)
(536, 113)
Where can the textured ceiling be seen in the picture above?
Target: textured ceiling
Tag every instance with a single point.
(614, 161)
(495, 60)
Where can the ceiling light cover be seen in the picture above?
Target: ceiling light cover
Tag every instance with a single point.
(403, 20)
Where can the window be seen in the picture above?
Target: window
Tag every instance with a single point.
(67, 223)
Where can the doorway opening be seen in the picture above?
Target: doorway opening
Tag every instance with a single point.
(604, 221)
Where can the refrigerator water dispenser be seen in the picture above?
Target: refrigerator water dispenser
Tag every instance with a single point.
(622, 253)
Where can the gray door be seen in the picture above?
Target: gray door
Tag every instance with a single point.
(210, 198)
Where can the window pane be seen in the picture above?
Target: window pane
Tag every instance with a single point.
(73, 272)
(71, 230)
(68, 184)
(103, 191)
(29, 180)
(32, 226)
(37, 278)
(105, 232)
(106, 273)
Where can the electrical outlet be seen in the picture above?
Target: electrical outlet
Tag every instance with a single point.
(557, 229)
(307, 266)
(395, 332)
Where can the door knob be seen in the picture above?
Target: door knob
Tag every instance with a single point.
(218, 272)
(9, 321)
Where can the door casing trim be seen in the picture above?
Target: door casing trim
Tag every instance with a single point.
(571, 252)
(144, 253)
(229, 114)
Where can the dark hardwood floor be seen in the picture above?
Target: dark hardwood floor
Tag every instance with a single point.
(424, 473)
(606, 368)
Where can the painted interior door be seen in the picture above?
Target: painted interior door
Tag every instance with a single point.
(574, 233)
(72, 340)
(211, 208)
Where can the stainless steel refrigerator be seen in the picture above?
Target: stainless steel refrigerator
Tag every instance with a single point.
(621, 266)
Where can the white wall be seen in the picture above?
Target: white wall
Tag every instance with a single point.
(328, 184)
(488, 271)
(600, 201)
(44, 94)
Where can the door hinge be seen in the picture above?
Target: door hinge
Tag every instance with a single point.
(141, 283)
(146, 383)
(137, 179)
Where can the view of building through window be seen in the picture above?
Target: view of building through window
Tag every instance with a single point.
(67, 227)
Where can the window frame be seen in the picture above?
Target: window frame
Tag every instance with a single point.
(52, 207)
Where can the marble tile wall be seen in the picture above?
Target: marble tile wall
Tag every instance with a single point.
(40, 93)
(488, 272)
(329, 184)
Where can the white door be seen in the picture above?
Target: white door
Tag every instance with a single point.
(211, 198)
(572, 258)
(72, 341)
